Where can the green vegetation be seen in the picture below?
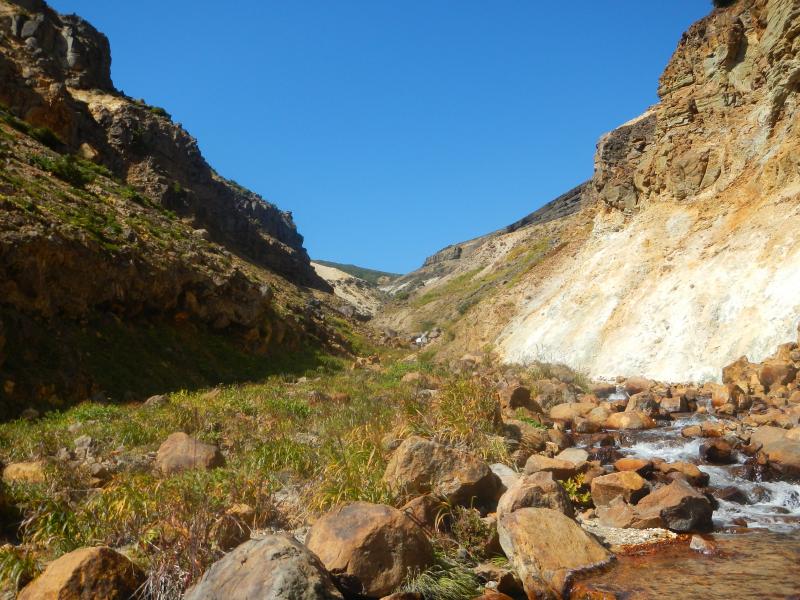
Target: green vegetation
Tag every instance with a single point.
(66, 168)
(369, 275)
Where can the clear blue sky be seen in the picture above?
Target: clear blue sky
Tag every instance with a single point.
(391, 129)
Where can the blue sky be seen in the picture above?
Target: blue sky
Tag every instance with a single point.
(391, 129)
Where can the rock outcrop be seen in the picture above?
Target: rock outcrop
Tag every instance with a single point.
(273, 567)
(687, 200)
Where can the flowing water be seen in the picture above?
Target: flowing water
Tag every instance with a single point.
(759, 561)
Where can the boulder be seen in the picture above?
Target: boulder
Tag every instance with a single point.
(25, 472)
(515, 396)
(781, 447)
(598, 415)
(369, 548)
(506, 475)
(546, 548)
(538, 490)
(687, 471)
(741, 372)
(421, 466)
(577, 456)
(773, 373)
(603, 390)
(561, 469)
(98, 573)
(639, 465)
(620, 514)
(569, 411)
(680, 507)
(676, 403)
(628, 485)
(424, 510)
(643, 402)
(717, 451)
(274, 567)
(630, 420)
(179, 452)
(637, 385)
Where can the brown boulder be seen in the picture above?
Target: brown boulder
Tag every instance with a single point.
(630, 420)
(369, 548)
(515, 396)
(628, 485)
(636, 385)
(421, 466)
(776, 372)
(741, 372)
(569, 411)
(620, 514)
(538, 490)
(424, 510)
(87, 574)
(561, 469)
(179, 452)
(643, 402)
(274, 567)
(546, 548)
(717, 451)
(781, 447)
(680, 507)
(629, 463)
(687, 471)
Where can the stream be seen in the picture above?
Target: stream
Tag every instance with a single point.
(757, 553)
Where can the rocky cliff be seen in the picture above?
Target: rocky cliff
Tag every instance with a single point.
(112, 224)
(685, 253)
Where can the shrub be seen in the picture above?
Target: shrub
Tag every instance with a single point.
(65, 168)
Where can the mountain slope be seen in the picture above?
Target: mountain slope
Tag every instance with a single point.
(685, 253)
(118, 239)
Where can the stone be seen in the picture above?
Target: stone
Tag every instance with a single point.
(781, 447)
(776, 372)
(233, 528)
(676, 403)
(637, 385)
(603, 390)
(598, 415)
(517, 396)
(639, 465)
(274, 567)
(680, 507)
(702, 545)
(539, 490)
(577, 456)
(179, 452)
(157, 401)
(506, 475)
(568, 411)
(688, 471)
(630, 420)
(692, 431)
(620, 514)
(369, 549)
(643, 402)
(628, 485)
(561, 469)
(546, 548)
(732, 494)
(421, 466)
(97, 573)
(424, 510)
(741, 372)
(503, 580)
(25, 472)
(717, 451)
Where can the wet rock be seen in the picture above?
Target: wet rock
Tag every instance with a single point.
(421, 466)
(781, 447)
(546, 548)
(630, 420)
(369, 548)
(691, 473)
(561, 469)
(676, 403)
(179, 452)
(87, 574)
(539, 490)
(644, 402)
(273, 567)
(732, 494)
(636, 385)
(700, 544)
(718, 452)
(628, 485)
(692, 431)
(639, 465)
(603, 390)
(680, 507)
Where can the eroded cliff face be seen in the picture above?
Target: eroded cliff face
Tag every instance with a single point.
(685, 253)
(694, 257)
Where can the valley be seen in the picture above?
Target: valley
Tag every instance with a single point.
(600, 400)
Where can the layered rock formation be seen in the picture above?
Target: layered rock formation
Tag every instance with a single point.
(114, 229)
(685, 253)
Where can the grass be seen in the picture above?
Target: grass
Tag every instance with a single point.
(277, 435)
